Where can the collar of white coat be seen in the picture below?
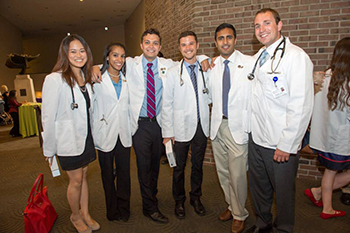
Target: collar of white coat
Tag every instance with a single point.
(271, 48)
(232, 58)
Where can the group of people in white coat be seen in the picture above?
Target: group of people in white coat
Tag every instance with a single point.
(261, 108)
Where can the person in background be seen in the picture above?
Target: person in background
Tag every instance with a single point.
(111, 131)
(330, 130)
(281, 107)
(66, 124)
(13, 110)
(5, 96)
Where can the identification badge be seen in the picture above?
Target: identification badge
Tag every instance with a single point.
(278, 92)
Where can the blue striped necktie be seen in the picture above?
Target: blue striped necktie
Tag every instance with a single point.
(194, 82)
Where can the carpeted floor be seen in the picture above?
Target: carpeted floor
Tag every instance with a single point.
(22, 161)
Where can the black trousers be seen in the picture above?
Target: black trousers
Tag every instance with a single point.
(117, 195)
(15, 129)
(267, 176)
(147, 143)
(198, 145)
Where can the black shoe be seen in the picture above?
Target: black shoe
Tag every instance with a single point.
(180, 210)
(255, 229)
(198, 207)
(157, 217)
(345, 198)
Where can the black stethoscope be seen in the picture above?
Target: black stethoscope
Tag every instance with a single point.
(251, 75)
(73, 105)
(205, 89)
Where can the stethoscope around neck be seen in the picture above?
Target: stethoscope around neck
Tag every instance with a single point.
(73, 105)
(251, 75)
(205, 89)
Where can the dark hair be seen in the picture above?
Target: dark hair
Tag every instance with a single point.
(62, 64)
(338, 91)
(151, 31)
(187, 33)
(12, 95)
(273, 12)
(106, 53)
(223, 26)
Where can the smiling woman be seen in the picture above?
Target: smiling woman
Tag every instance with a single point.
(66, 125)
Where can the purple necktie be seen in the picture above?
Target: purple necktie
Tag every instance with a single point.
(151, 97)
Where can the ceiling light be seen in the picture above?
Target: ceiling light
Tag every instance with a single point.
(106, 28)
(68, 34)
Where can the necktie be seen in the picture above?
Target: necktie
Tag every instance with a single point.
(263, 58)
(226, 84)
(151, 97)
(194, 82)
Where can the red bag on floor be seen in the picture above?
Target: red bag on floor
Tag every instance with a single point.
(39, 215)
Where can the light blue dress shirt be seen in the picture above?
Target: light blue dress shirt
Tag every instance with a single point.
(118, 86)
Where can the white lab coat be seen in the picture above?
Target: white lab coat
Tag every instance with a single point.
(280, 120)
(64, 130)
(238, 98)
(110, 115)
(330, 130)
(136, 82)
(179, 105)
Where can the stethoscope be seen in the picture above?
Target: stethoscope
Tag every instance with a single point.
(205, 89)
(73, 105)
(251, 75)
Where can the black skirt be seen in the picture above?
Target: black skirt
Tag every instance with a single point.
(89, 154)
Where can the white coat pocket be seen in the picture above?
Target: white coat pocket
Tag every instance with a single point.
(65, 136)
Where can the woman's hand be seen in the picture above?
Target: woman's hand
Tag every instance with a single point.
(49, 159)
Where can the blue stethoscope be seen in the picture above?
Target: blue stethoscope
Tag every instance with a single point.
(205, 89)
(251, 75)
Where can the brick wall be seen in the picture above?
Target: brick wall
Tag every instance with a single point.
(314, 25)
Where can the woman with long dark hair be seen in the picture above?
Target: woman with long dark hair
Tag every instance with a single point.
(13, 110)
(112, 131)
(67, 133)
(330, 130)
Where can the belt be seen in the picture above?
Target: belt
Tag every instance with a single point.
(224, 117)
(148, 119)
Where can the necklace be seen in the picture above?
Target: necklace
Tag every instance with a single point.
(83, 88)
(114, 76)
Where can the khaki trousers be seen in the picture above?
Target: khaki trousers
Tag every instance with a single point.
(231, 165)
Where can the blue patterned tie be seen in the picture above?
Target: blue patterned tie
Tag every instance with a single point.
(263, 58)
(226, 84)
(194, 82)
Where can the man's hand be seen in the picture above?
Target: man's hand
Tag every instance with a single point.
(96, 74)
(281, 156)
(165, 140)
(212, 64)
(205, 65)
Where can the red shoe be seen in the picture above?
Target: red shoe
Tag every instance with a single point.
(311, 197)
(337, 213)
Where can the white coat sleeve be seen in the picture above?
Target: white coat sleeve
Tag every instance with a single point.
(168, 104)
(300, 104)
(50, 97)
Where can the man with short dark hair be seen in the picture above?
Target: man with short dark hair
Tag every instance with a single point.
(230, 92)
(185, 121)
(282, 103)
